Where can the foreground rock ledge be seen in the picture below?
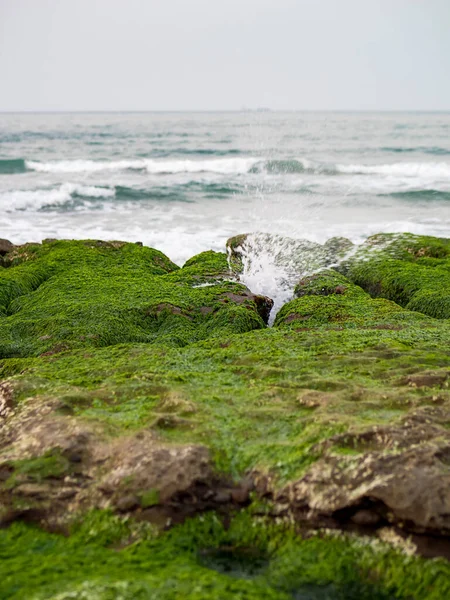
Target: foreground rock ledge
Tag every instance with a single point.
(154, 393)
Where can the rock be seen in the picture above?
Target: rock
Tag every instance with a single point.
(133, 466)
(116, 292)
(411, 270)
(263, 303)
(323, 283)
(427, 379)
(6, 399)
(72, 466)
(409, 489)
(366, 517)
(5, 247)
(338, 247)
(127, 503)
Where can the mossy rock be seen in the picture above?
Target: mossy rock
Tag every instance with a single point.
(184, 449)
(412, 270)
(77, 294)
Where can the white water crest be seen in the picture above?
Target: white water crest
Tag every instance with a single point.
(425, 169)
(217, 165)
(241, 165)
(40, 198)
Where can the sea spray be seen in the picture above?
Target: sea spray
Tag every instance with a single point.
(272, 265)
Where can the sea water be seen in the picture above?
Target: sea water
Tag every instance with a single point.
(185, 182)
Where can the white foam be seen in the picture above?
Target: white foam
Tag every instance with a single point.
(219, 165)
(36, 199)
(273, 265)
(435, 170)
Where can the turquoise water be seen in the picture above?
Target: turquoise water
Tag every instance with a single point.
(184, 182)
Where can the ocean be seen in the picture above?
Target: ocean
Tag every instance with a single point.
(185, 182)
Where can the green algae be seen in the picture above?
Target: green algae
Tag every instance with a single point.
(107, 557)
(413, 271)
(50, 465)
(328, 298)
(78, 294)
(250, 415)
(126, 340)
(149, 498)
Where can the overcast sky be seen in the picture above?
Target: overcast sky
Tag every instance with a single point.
(224, 54)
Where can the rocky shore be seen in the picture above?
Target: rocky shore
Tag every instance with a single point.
(159, 440)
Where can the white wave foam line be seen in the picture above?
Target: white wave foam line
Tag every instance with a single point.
(219, 165)
(438, 170)
(35, 199)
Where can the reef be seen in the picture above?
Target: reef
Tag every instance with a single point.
(159, 440)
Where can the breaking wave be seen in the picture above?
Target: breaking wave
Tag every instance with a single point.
(71, 195)
(401, 169)
(41, 198)
(219, 165)
(230, 166)
(439, 170)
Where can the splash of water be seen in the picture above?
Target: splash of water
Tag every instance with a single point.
(272, 265)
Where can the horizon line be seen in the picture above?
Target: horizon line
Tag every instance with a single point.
(261, 110)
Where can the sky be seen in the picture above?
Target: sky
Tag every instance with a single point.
(62, 55)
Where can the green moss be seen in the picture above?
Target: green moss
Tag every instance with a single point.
(329, 299)
(50, 465)
(208, 263)
(413, 271)
(149, 498)
(261, 400)
(202, 559)
(146, 348)
(325, 283)
(78, 294)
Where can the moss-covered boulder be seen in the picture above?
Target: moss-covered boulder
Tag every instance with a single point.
(62, 295)
(412, 270)
(158, 440)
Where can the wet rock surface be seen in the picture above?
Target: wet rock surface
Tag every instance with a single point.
(408, 489)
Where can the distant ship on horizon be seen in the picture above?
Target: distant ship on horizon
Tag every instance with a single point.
(257, 109)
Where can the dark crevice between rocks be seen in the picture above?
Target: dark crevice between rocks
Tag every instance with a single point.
(264, 304)
(220, 497)
(370, 518)
(247, 562)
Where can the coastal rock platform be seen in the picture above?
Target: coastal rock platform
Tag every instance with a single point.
(159, 440)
